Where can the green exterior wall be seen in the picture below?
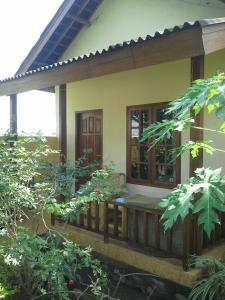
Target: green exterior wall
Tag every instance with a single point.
(213, 63)
(113, 93)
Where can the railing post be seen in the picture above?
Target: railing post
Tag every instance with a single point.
(157, 234)
(125, 222)
(96, 216)
(145, 229)
(169, 241)
(105, 220)
(199, 238)
(89, 218)
(82, 220)
(186, 243)
(115, 220)
(135, 224)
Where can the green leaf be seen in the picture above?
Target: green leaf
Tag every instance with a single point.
(220, 112)
(204, 195)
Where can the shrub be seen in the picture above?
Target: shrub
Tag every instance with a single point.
(212, 287)
(50, 267)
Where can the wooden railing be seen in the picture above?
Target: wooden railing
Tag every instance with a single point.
(141, 228)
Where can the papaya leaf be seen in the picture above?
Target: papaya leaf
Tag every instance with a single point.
(220, 112)
(208, 186)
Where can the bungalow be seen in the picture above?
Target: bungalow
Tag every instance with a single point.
(113, 66)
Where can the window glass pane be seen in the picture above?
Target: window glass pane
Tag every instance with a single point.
(134, 153)
(160, 114)
(135, 119)
(165, 174)
(144, 153)
(144, 119)
(134, 170)
(170, 155)
(161, 173)
(170, 139)
(135, 133)
(170, 172)
(144, 171)
(160, 155)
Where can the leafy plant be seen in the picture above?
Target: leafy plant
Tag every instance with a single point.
(8, 283)
(212, 287)
(100, 187)
(209, 187)
(203, 194)
(48, 269)
(64, 175)
(18, 190)
(45, 267)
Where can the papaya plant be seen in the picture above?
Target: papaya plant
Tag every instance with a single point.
(203, 194)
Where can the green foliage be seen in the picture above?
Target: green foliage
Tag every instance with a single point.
(159, 130)
(8, 286)
(29, 184)
(209, 187)
(18, 191)
(100, 187)
(64, 175)
(46, 268)
(203, 194)
(212, 287)
(209, 93)
(194, 148)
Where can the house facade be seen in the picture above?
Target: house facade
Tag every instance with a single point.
(114, 65)
(115, 22)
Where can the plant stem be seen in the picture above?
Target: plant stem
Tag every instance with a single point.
(208, 129)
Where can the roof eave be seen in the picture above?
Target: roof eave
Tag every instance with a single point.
(165, 48)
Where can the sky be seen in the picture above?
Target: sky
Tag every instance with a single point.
(21, 24)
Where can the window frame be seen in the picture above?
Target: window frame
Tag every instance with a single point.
(151, 157)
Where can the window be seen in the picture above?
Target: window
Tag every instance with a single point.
(152, 167)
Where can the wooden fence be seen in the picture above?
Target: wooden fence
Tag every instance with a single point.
(142, 229)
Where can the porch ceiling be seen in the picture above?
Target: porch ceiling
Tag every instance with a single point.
(188, 40)
(68, 21)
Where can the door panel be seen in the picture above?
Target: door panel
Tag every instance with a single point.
(89, 134)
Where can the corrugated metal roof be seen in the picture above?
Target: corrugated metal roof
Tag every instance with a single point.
(158, 34)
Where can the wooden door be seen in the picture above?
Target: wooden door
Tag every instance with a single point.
(89, 134)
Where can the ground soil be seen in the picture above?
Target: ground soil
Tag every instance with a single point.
(128, 283)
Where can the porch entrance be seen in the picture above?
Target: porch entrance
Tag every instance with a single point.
(89, 134)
